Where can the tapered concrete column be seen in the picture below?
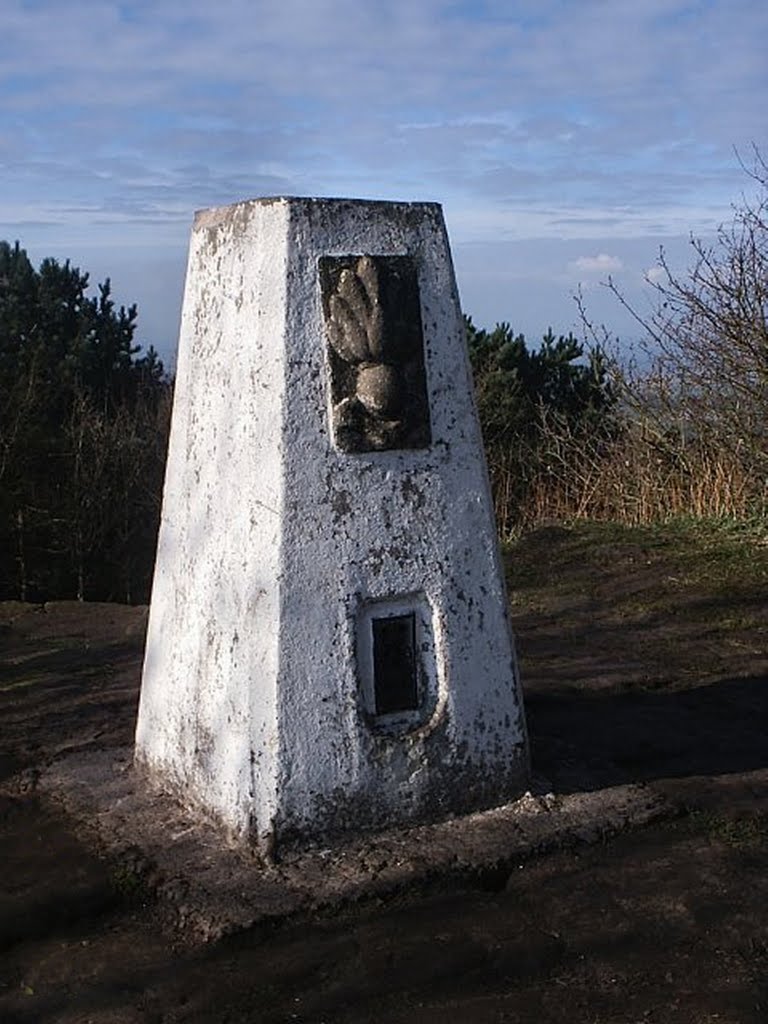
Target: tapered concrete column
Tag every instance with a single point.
(328, 644)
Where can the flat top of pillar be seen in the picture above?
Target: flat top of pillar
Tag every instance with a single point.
(217, 214)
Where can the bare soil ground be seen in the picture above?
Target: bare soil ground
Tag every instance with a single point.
(644, 655)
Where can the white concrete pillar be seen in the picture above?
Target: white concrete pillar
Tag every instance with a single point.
(328, 645)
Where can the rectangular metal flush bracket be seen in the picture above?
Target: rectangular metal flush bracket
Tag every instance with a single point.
(395, 664)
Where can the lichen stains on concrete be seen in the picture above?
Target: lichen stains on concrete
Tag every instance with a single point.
(411, 492)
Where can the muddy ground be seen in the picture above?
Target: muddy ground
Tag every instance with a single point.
(644, 656)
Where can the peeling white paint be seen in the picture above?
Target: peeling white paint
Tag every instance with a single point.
(275, 546)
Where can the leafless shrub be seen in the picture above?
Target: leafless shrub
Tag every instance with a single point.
(691, 424)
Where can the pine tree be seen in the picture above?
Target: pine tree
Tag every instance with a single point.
(73, 386)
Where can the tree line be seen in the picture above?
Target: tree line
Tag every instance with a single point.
(527, 396)
(572, 429)
(83, 428)
(84, 417)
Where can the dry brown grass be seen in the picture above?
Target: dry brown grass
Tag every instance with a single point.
(640, 476)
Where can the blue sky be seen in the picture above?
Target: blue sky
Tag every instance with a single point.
(566, 140)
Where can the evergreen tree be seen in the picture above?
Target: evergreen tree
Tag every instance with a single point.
(525, 396)
(515, 385)
(73, 387)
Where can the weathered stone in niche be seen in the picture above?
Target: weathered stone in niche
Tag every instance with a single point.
(376, 352)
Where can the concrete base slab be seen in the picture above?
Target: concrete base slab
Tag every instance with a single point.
(207, 890)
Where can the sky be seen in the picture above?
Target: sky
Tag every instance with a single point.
(567, 140)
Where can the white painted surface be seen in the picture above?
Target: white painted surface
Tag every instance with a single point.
(274, 547)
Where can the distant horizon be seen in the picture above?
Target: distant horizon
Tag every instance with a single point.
(159, 326)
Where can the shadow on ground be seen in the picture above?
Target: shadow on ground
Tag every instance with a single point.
(638, 665)
(583, 740)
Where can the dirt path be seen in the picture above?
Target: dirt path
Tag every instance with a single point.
(644, 656)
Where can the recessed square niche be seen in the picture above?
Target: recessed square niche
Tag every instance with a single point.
(375, 346)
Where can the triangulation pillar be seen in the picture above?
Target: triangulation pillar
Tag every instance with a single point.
(328, 645)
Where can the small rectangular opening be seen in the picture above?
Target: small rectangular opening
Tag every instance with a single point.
(395, 675)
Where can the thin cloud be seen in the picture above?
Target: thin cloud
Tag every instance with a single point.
(600, 264)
